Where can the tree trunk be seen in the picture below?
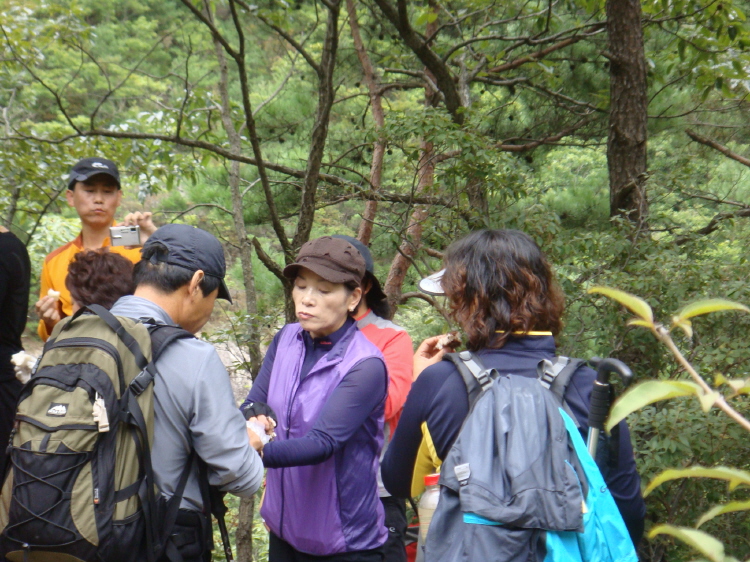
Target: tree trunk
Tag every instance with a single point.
(426, 174)
(14, 197)
(378, 150)
(626, 146)
(244, 534)
(246, 251)
(320, 128)
(413, 236)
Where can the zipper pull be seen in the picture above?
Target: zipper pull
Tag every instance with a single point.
(100, 414)
(96, 496)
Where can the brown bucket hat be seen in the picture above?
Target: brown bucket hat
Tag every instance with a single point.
(334, 259)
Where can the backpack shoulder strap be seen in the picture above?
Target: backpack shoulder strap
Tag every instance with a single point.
(555, 376)
(162, 335)
(475, 375)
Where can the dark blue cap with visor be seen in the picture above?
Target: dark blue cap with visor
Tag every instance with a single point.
(193, 249)
(87, 168)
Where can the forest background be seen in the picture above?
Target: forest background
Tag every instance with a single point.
(612, 132)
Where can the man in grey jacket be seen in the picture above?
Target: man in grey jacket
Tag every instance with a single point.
(179, 277)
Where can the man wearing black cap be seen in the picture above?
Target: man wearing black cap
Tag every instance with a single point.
(94, 192)
(179, 278)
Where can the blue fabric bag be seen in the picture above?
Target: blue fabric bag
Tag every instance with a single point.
(605, 537)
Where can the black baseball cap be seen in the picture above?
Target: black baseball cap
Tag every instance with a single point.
(376, 291)
(193, 249)
(90, 167)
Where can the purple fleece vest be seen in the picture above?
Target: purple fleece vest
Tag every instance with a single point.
(331, 507)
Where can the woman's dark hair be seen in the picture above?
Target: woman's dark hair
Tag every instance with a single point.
(350, 286)
(153, 271)
(379, 306)
(500, 281)
(99, 277)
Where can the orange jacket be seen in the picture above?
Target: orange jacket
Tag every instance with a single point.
(398, 352)
(55, 270)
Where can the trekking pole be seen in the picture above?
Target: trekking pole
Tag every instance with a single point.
(219, 511)
(225, 539)
(599, 407)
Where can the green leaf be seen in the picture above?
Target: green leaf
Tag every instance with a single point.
(681, 49)
(734, 476)
(730, 507)
(704, 543)
(732, 32)
(705, 307)
(637, 306)
(647, 393)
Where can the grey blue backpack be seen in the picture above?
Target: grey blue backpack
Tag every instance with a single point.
(518, 485)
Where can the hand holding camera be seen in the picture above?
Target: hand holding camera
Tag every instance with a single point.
(134, 230)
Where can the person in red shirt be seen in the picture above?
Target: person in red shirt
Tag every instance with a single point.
(372, 316)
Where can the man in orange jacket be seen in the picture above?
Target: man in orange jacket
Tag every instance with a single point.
(94, 191)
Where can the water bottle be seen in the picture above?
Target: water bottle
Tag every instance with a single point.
(427, 504)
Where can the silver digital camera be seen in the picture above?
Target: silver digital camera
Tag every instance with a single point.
(125, 235)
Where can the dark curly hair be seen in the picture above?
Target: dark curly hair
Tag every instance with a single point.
(498, 282)
(99, 277)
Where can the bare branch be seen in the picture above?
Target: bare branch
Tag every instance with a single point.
(548, 140)
(713, 224)
(297, 46)
(715, 199)
(275, 93)
(191, 143)
(36, 77)
(400, 19)
(214, 31)
(405, 297)
(266, 260)
(179, 214)
(433, 253)
(716, 146)
(533, 57)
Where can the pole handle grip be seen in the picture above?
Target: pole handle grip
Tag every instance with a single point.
(599, 406)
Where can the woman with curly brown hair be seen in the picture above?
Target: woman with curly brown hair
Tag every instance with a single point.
(99, 277)
(503, 293)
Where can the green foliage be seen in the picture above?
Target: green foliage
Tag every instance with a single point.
(143, 66)
(653, 391)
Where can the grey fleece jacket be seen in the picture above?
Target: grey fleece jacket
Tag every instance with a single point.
(194, 407)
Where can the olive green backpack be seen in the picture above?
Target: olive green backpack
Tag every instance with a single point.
(79, 485)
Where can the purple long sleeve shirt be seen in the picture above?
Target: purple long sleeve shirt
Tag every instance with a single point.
(347, 409)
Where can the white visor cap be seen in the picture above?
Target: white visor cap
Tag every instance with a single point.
(432, 284)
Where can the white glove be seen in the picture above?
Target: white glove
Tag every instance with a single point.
(23, 364)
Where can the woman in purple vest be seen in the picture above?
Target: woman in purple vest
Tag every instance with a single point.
(325, 384)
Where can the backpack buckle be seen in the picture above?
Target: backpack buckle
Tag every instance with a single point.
(547, 371)
(141, 382)
(479, 371)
